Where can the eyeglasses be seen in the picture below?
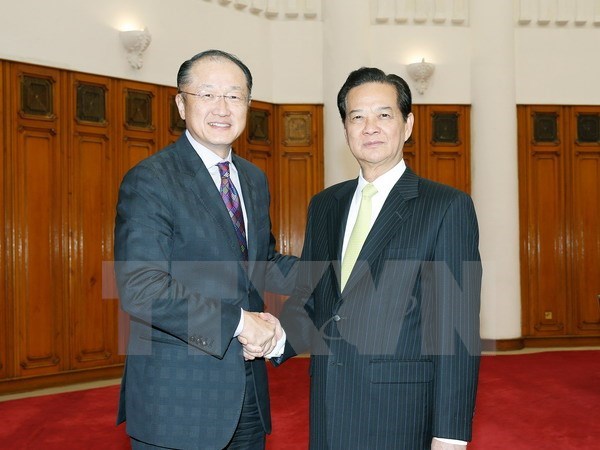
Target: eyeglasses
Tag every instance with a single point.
(211, 97)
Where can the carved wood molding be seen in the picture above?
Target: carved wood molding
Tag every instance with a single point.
(297, 129)
(37, 97)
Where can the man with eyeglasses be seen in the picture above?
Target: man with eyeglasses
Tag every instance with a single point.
(194, 253)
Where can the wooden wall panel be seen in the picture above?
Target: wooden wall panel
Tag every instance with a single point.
(172, 122)
(547, 274)
(92, 319)
(256, 145)
(544, 226)
(585, 188)
(410, 151)
(67, 138)
(559, 185)
(139, 136)
(4, 322)
(299, 167)
(439, 147)
(447, 156)
(39, 191)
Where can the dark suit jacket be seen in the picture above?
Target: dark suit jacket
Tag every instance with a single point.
(395, 356)
(181, 279)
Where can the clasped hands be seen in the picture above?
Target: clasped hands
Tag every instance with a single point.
(260, 334)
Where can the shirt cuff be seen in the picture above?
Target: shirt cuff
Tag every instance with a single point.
(451, 441)
(240, 326)
(279, 347)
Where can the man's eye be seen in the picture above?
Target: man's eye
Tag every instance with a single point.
(207, 96)
(233, 97)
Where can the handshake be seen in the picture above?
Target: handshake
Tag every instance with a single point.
(260, 334)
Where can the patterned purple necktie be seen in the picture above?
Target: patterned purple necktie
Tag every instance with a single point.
(232, 202)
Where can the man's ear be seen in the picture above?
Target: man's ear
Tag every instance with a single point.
(180, 105)
(410, 121)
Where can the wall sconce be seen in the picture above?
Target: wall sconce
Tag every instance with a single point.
(421, 72)
(135, 42)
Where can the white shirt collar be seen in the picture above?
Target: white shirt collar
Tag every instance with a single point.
(384, 183)
(209, 158)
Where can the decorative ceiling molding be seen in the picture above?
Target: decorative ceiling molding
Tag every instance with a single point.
(558, 13)
(528, 13)
(275, 9)
(411, 12)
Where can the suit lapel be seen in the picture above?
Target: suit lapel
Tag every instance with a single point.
(395, 211)
(202, 185)
(249, 192)
(336, 225)
(338, 216)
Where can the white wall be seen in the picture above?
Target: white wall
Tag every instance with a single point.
(306, 59)
(83, 36)
(558, 65)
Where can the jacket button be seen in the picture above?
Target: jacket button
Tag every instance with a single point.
(336, 318)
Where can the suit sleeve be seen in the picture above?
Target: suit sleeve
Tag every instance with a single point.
(297, 316)
(144, 236)
(451, 297)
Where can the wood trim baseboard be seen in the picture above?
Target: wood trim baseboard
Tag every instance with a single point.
(503, 345)
(17, 385)
(561, 341)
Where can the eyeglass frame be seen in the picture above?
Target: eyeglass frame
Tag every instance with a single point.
(215, 98)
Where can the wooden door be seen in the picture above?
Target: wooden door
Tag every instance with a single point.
(447, 157)
(544, 220)
(256, 145)
(559, 176)
(92, 187)
(174, 124)
(4, 323)
(36, 171)
(439, 148)
(584, 188)
(299, 168)
(139, 136)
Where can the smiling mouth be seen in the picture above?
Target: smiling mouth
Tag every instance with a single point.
(219, 124)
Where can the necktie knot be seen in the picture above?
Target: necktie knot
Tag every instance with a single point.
(369, 191)
(224, 169)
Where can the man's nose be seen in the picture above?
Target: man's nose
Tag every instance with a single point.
(371, 126)
(220, 106)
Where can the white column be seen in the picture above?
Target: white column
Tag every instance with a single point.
(494, 165)
(345, 48)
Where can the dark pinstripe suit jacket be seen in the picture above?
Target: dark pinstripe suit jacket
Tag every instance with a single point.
(181, 279)
(395, 356)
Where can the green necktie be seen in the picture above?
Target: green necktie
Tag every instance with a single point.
(359, 233)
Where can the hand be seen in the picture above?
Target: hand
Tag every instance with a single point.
(274, 320)
(257, 336)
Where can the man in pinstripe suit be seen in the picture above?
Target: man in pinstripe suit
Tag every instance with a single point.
(394, 339)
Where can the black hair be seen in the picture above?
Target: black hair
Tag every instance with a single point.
(183, 75)
(374, 75)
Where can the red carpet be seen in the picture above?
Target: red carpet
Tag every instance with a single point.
(537, 401)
